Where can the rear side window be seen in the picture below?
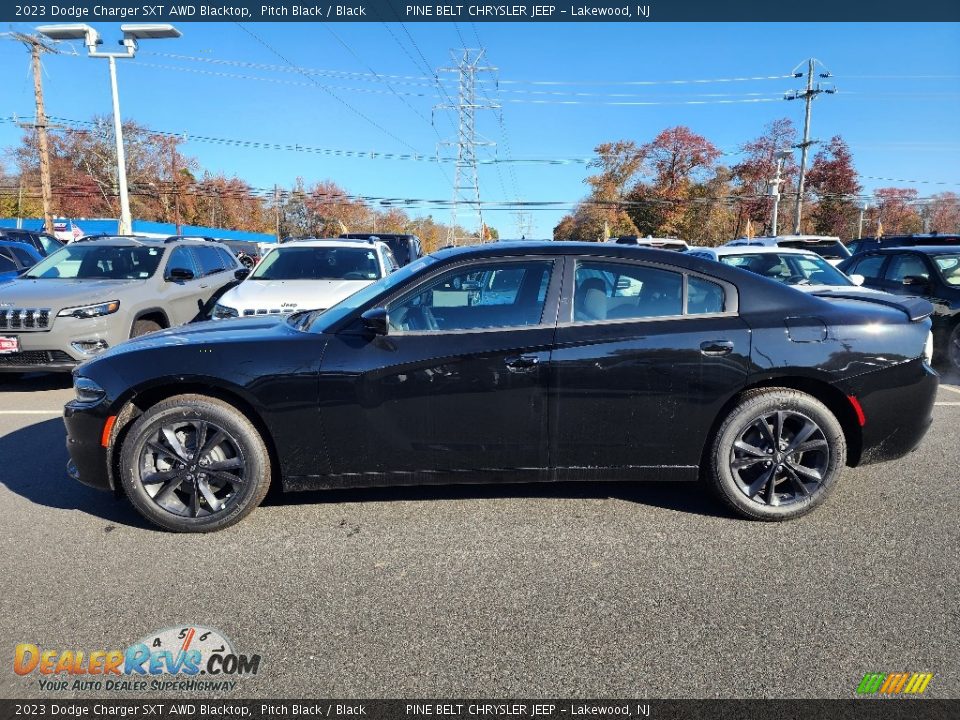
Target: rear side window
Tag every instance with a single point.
(869, 267)
(22, 256)
(902, 266)
(704, 297)
(614, 291)
(209, 259)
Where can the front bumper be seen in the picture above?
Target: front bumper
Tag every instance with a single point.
(898, 406)
(52, 350)
(88, 458)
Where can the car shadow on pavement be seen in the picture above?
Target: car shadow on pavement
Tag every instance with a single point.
(686, 497)
(34, 382)
(34, 467)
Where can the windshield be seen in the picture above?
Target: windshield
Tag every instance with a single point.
(825, 248)
(949, 267)
(318, 263)
(789, 268)
(82, 261)
(320, 321)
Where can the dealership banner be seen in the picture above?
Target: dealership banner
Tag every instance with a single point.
(482, 709)
(45, 11)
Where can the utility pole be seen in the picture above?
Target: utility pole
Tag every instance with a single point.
(37, 46)
(466, 184)
(808, 95)
(176, 185)
(864, 206)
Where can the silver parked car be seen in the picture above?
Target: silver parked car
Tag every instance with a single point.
(94, 294)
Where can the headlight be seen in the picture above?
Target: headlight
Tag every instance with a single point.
(928, 349)
(91, 311)
(221, 312)
(87, 391)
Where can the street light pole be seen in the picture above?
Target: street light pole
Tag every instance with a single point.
(91, 38)
(126, 222)
(864, 206)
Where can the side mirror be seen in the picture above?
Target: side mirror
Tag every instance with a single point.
(857, 279)
(242, 273)
(916, 281)
(179, 273)
(375, 320)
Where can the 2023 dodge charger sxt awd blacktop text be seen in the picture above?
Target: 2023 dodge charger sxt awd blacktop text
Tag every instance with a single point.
(513, 362)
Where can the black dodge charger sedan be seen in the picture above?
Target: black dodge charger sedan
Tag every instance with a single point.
(513, 362)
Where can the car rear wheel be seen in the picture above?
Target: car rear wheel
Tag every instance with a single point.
(194, 464)
(142, 327)
(777, 455)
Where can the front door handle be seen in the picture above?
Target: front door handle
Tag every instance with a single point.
(522, 363)
(714, 348)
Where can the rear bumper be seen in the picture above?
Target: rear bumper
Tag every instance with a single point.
(88, 458)
(897, 404)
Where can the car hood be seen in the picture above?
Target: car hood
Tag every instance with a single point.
(290, 295)
(58, 294)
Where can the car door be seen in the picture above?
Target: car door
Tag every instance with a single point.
(457, 385)
(640, 371)
(179, 294)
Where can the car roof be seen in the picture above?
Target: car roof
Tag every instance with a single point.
(18, 245)
(926, 249)
(331, 243)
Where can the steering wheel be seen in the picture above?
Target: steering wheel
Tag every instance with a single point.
(795, 280)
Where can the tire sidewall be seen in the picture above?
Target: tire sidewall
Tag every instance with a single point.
(741, 417)
(251, 446)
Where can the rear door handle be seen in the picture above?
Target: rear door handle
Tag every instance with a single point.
(522, 363)
(713, 348)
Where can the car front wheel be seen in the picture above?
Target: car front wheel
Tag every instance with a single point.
(777, 455)
(194, 464)
(953, 347)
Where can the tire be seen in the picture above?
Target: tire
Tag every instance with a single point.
(952, 353)
(739, 470)
(173, 485)
(142, 327)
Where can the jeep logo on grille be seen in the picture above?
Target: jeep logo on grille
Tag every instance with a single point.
(288, 304)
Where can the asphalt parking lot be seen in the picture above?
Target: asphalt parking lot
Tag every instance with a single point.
(573, 590)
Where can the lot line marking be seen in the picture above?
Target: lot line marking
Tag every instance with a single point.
(951, 388)
(45, 412)
(948, 404)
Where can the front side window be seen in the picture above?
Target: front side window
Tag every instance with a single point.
(6, 261)
(90, 261)
(23, 257)
(489, 296)
(615, 291)
(182, 259)
(869, 267)
(209, 259)
(319, 263)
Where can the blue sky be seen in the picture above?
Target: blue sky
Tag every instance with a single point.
(898, 103)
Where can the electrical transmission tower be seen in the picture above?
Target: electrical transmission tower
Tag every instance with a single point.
(808, 95)
(466, 206)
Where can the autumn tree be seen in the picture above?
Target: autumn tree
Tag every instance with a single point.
(758, 166)
(896, 210)
(833, 180)
(678, 159)
(941, 213)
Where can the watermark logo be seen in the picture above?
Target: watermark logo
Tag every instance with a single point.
(894, 683)
(184, 653)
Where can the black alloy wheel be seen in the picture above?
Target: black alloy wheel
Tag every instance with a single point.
(777, 455)
(194, 464)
